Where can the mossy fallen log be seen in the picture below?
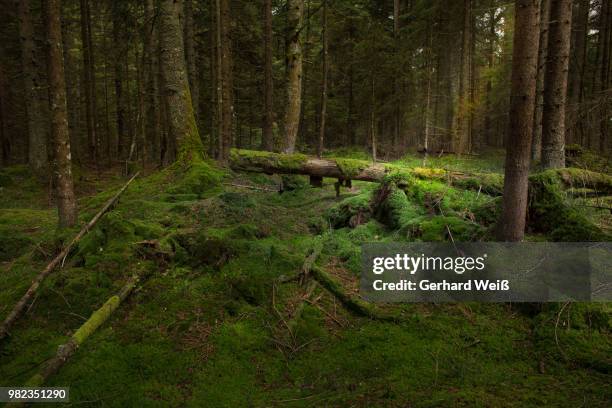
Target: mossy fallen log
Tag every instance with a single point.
(353, 303)
(21, 305)
(350, 169)
(97, 319)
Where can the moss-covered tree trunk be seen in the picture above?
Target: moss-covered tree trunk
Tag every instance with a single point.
(555, 84)
(511, 225)
(293, 104)
(37, 133)
(180, 115)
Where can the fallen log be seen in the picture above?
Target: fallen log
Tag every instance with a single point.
(97, 318)
(350, 169)
(57, 261)
(353, 303)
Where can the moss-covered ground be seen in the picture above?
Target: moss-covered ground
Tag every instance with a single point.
(213, 324)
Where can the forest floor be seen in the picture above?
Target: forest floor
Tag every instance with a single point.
(213, 325)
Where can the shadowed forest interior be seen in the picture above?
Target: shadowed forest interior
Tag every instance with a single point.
(185, 187)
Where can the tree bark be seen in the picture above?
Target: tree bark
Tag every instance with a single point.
(604, 41)
(293, 104)
(267, 137)
(73, 96)
(536, 144)
(181, 119)
(578, 47)
(120, 47)
(461, 139)
(324, 84)
(64, 190)
(191, 55)
(555, 84)
(151, 95)
(32, 82)
(511, 226)
(226, 136)
(89, 82)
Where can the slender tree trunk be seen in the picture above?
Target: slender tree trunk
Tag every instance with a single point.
(119, 66)
(89, 81)
(555, 84)
(215, 87)
(373, 118)
(576, 71)
(396, 80)
(226, 136)
(4, 142)
(181, 119)
(489, 86)
(151, 95)
(324, 84)
(32, 82)
(191, 55)
(64, 190)
(462, 127)
(293, 105)
(267, 137)
(73, 97)
(536, 147)
(511, 225)
(605, 39)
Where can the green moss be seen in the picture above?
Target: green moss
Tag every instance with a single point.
(351, 167)
(340, 215)
(197, 178)
(551, 212)
(246, 159)
(445, 228)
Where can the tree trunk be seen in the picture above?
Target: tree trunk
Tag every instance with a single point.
(151, 86)
(373, 118)
(267, 136)
(64, 190)
(324, 84)
(605, 34)
(396, 79)
(461, 137)
(489, 86)
(555, 84)
(191, 56)
(32, 82)
(536, 145)
(120, 47)
(511, 225)
(4, 142)
(73, 97)
(293, 105)
(225, 79)
(576, 71)
(89, 81)
(181, 119)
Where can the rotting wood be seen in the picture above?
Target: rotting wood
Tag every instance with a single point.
(57, 261)
(97, 319)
